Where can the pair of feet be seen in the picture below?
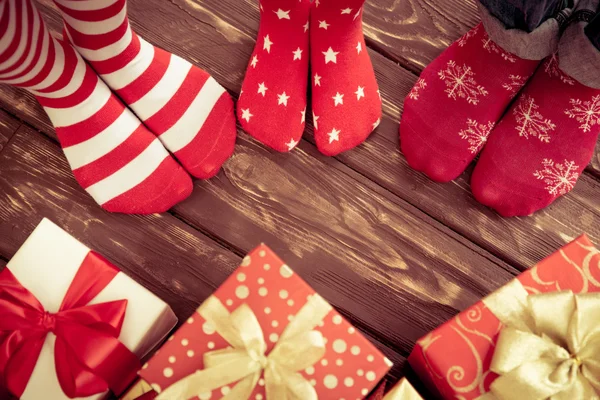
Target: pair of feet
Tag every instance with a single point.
(120, 158)
(537, 126)
(346, 104)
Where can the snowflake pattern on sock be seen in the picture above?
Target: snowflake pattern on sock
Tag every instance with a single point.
(514, 84)
(586, 112)
(531, 122)
(559, 178)
(414, 92)
(460, 83)
(465, 38)
(492, 47)
(476, 134)
(552, 68)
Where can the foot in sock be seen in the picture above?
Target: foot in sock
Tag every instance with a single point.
(272, 106)
(539, 149)
(183, 105)
(345, 96)
(456, 103)
(117, 161)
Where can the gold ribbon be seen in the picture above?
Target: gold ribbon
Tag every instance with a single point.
(403, 391)
(298, 348)
(551, 354)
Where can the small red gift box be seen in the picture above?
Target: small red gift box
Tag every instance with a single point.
(278, 330)
(454, 360)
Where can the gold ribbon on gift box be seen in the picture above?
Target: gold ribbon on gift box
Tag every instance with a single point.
(403, 391)
(549, 347)
(298, 348)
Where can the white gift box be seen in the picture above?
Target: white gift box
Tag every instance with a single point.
(46, 265)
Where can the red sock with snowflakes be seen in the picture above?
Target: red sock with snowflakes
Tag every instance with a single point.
(541, 146)
(181, 104)
(272, 104)
(345, 96)
(456, 103)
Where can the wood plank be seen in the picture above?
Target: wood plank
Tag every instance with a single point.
(225, 49)
(172, 259)
(8, 126)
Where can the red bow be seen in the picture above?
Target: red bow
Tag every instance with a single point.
(88, 356)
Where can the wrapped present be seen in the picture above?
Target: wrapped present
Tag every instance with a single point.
(71, 324)
(403, 391)
(265, 334)
(536, 338)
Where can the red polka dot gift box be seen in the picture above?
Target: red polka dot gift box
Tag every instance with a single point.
(536, 338)
(265, 335)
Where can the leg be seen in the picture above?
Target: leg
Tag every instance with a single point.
(183, 105)
(118, 162)
(525, 15)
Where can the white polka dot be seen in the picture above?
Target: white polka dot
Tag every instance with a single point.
(337, 319)
(156, 387)
(339, 346)
(145, 366)
(225, 390)
(168, 372)
(339, 362)
(283, 294)
(190, 320)
(184, 342)
(241, 277)
(211, 345)
(274, 324)
(259, 397)
(261, 281)
(246, 261)
(355, 350)
(262, 253)
(370, 376)
(261, 382)
(267, 267)
(208, 328)
(267, 310)
(388, 362)
(205, 396)
(172, 359)
(330, 381)
(190, 353)
(229, 302)
(171, 338)
(360, 372)
(286, 271)
(324, 362)
(242, 291)
(364, 392)
(351, 330)
(370, 358)
(263, 291)
(290, 302)
(349, 382)
(313, 382)
(310, 370)
(273, 337)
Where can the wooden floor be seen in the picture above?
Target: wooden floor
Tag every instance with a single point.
(396, 253)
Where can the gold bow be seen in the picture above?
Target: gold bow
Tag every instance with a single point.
(298, 348)
(403, 391)
(554, 355)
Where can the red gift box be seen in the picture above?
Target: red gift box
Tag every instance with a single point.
(454, 360)
(349, 368)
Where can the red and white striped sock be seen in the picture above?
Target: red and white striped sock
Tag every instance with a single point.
(183, 105)
(116, 160)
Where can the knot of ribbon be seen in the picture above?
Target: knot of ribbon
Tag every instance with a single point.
(554, 353)
(298, 348)
(89, 358)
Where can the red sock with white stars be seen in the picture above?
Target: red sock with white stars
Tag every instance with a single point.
(540, 147)
(181, 104)
(456, 103)
(272, 104)
(345, 96)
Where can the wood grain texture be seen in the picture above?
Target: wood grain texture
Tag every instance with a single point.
(8, 126)
(167, 256)
(519, 241)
